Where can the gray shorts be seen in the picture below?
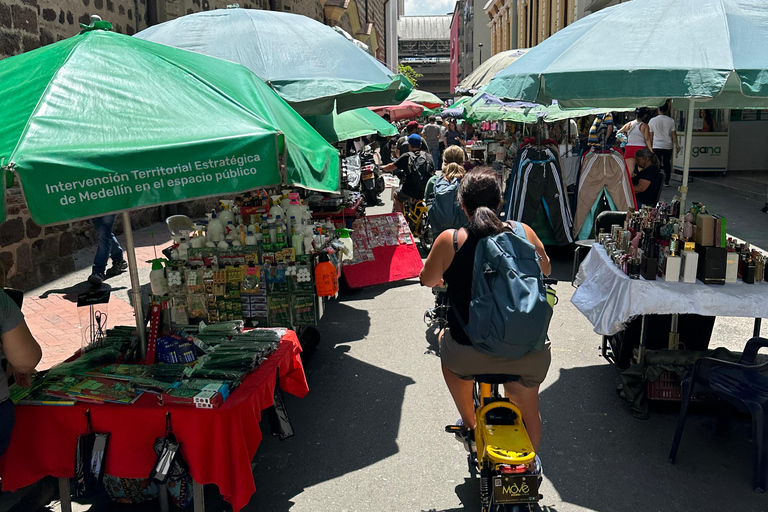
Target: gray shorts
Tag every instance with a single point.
(466, 362)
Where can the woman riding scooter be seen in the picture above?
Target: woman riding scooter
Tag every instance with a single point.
(452, 259)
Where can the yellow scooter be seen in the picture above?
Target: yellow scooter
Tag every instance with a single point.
(504, 456)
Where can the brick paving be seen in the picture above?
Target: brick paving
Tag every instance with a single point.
(56, 322)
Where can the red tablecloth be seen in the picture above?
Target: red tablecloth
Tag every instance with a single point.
(218, 444)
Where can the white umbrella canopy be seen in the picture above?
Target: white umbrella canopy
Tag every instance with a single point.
(487, 70)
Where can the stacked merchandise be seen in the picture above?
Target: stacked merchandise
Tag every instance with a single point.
(604, 184)
(101, 375)
(535, 185)
(251, 261)
(378, 231)
(655, 242)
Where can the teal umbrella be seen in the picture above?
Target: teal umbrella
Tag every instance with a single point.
(350, 125)
(700, 51)
(308, 64)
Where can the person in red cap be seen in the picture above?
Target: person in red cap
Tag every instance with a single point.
(402, 144)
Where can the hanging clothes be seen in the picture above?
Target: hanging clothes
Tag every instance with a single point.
(602, 172)
(537, 182)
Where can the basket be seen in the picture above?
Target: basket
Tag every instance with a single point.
(667, 387)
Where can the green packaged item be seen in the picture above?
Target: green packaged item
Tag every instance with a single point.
(279, 307)
(303, 310)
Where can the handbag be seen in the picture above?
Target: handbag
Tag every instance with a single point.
(89, 461)
(170, 467)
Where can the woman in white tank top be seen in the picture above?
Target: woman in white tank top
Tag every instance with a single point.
(638, 137)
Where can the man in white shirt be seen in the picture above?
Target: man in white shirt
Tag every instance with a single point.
(431, 133)
(664, 135)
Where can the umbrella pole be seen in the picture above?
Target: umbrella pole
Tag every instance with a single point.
(135, 284)
(687, 156)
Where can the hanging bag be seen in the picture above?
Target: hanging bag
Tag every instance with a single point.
(89, 461)
(170, 467)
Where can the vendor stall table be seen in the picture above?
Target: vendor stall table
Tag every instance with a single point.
(345, 215)
(609, 298)
(217, 444)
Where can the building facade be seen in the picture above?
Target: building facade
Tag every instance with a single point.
(424, 44)
(29, 24)
(472, 38)
(526, 23)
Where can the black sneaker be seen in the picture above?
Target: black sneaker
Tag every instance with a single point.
(117, 268)
(666, 184)
(96, 279)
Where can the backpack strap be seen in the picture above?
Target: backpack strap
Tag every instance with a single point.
(455, 240)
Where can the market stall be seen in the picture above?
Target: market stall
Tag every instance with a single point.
(218, 439)
(654, 265)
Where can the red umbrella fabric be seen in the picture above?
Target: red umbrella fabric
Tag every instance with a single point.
(405, 110)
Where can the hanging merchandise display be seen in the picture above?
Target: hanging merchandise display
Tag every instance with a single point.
(604, 180)
(536, 183)
(259, 268)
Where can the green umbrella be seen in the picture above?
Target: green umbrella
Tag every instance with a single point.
(309, 64)
(102, 122)
(350, 125)
(713, 54)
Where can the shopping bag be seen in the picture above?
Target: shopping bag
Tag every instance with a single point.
(89, 461)
(170, 467)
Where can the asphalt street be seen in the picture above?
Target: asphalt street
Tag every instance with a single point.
(369, 435)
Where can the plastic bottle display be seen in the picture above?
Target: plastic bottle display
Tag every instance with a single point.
(226, 215)
(297, 242)
(276, 208)
(272, 230)
(345, 239)
(215, 231)
(326, 280)
(157, 280)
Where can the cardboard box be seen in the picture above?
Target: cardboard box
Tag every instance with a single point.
(731, 267)
(705, 230)
(672, 268)
(712, 264)
(690, 265)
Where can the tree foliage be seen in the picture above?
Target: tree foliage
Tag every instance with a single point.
(409, 73)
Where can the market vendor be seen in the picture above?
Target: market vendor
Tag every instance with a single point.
(648, 180)
(22, 353)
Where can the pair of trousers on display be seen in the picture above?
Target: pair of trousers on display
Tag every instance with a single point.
(602, 170)
(539, 182)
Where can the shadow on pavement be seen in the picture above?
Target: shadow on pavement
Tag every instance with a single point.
(70, 293)
(596, 455)
(349, 421)
(343, 323)
(371, 292)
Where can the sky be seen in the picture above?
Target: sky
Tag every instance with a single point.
(427, 7)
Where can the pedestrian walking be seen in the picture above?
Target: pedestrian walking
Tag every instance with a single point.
(453, 135)
(108, 247)
(601, 131)
(411, 128)
(431, 133)
(663, 135)
(638, 137)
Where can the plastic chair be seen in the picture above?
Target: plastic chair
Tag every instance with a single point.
(744, 383)
(603, 221)
(177, 223)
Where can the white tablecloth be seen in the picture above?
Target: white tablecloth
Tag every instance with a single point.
(609, 299)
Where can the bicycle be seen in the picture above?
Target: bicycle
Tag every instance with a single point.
(418, 222)
(503, 455)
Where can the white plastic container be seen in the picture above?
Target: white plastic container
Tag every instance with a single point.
(157, 280)
(215, 230)
(276, 208)
(226, 215)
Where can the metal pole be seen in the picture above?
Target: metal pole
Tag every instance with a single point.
(687, 156)
(135, 284)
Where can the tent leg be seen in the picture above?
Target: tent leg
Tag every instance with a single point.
(687, 156)
(135, 284)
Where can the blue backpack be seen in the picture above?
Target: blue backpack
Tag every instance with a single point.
(445, 211)
(508, 313)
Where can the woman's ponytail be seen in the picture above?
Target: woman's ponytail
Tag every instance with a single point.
(484, 222)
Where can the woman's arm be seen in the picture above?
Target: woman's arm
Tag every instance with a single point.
(647, 135)
(642, 185)
(544, 264)
(438, 261)
(625, 128)
(21, 349)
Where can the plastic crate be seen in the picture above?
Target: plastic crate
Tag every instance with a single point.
(667, 387)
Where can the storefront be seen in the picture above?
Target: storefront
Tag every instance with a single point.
(710, 144)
